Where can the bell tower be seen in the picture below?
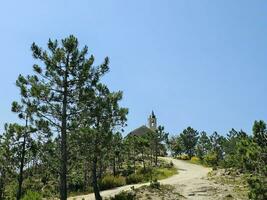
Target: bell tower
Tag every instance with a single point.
(152, 121)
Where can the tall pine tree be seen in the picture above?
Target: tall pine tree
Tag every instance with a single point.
(65, 75)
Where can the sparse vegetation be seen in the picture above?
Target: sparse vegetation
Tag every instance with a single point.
(154, 191)
(69, 139)
(239, 151)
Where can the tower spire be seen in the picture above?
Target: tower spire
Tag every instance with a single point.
(152, 121)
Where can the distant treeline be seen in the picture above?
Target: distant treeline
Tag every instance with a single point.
(247, 153)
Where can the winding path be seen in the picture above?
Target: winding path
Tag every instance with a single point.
(189, 182)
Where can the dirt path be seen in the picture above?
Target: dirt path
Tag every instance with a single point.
(189, 182)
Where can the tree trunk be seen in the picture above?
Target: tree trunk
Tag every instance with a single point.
(2, 184)
(22, 159)
(21, 169)
(156, 152)
(100, 169)
(144, 163)
(114, 166)
(95, 185)
(134, 160)
(85, 178)
(63, 173)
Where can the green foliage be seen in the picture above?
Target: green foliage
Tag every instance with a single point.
(189, 138)
(248, 153)
(183, 157)
(211, 158)
(124, 196)
(134, 178)
(175, 146)
(260, 133)
(217, 147)
(162, 173)
(64, 98)
(195, 160)
(111, 182)
(154, 184)
(203, 145)
(32, 196)
(258, 187)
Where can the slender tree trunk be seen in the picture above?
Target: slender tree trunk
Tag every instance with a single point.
(100, 169)
(22, 159)
(2, 185)
(156, 152)
(114, 166)
(85, 178)
(95, 185)
(144, 163)
(134, 161)
(63, 148)
(94, 167)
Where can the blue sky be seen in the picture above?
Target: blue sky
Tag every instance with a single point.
(195, 63)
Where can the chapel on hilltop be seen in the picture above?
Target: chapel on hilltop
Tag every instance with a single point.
(151, 126)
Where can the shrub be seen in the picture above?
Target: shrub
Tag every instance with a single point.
(167, 165)
(211, 159)
(195, 159)
(129, 170)
(171, 164)
(147, 170)
(183, 157)
(111, 182)
(162, 173)
(32, 196)
(155, 184)
(258, 188)
(124, 196)
(134, 178)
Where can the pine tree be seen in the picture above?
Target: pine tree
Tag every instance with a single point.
(7, 161)
(189, 138)
(100, 117)
(58, 87)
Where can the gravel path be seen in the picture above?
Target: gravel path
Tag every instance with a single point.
(189, 182)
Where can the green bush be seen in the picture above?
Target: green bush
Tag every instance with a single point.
(183, 157)
(162, 173)
(32, 196)
(129, 170)
(155, 184)
(111, 182)
(147, 170)
(134, 178)
(211, 159)
(258, 188)
(124, 196)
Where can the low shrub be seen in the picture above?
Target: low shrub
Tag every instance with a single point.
(170, 165)
(147, 170)
(258, 188)
(183, 157)
(124, 196)
(111, 182)
(162, 173)
(134, 178)
(211, 159)
(155, 184)
(195, 159)
(129, 170)
(166, 165)
(32, 196)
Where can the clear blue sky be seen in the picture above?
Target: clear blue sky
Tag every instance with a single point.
(195, 63)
